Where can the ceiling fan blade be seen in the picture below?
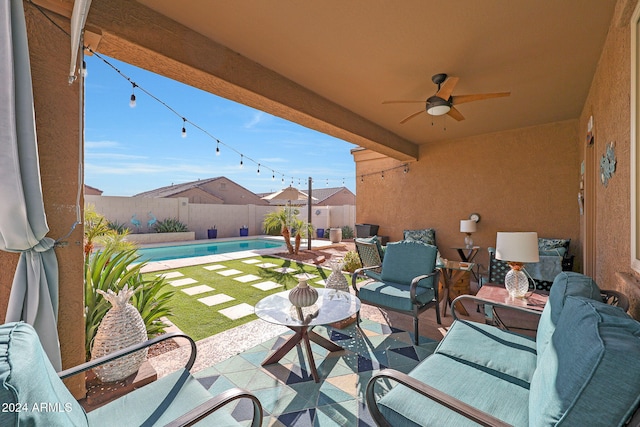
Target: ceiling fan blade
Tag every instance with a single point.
(401, 102)
(455, 114)
(406, 119)
(447, 87)
(461, 99)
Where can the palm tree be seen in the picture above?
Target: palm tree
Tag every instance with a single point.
(303, 229)
(281, 220)
(98, 230)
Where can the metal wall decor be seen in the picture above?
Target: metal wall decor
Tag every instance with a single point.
(608, 164)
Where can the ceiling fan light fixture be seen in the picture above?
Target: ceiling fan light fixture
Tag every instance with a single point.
(437, 106)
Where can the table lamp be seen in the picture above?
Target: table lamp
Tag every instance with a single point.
(517, 249)
(468, 226)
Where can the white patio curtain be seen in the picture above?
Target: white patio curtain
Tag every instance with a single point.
(23, 224)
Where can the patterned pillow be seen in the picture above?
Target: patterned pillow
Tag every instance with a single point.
(427, 235)
(553, 246)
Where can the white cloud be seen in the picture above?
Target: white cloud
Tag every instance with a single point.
(114, 156)
(258, 117)
(101, 144)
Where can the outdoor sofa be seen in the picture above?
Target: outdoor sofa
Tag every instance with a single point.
(582, 369)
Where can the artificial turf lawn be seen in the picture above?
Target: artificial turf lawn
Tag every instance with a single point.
(200, 321)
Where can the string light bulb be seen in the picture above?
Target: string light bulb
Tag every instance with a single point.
(241, 162)
(217, 147)
(382, 174)
(84, 69)
(184, 129)
(273, 175)
(406, 168)
(132, 100)
(258, 168)
(361, 178)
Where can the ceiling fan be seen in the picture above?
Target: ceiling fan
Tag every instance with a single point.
(443, 102)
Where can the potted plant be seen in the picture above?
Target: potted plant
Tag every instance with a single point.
(212, 233)
(244, 231)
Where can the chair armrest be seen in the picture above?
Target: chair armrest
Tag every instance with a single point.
(205, 409)
(477, 300)
(615, 298)
(436, 395)
(128, 350)
(356, 273)
(414, 284)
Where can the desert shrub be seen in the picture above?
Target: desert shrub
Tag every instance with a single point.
(351, 261)
(170, 225)
(347, 232)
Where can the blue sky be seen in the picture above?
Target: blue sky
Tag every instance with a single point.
(131, 150)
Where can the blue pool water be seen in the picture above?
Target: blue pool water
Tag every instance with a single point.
(187, 251)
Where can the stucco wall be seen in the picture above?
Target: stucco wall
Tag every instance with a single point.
(519, 180)
(199, 217)
(609, 104)
(57, 125)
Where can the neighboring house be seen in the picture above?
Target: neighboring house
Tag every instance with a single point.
(219, 190)
(335, 196)
(91, 191)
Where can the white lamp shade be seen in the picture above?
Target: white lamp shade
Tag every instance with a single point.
(467, 226)
(517, 247)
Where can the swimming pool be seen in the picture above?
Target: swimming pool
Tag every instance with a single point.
(201, 249)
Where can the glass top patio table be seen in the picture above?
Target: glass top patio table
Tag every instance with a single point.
(332, 306)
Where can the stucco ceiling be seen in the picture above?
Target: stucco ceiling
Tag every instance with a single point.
(360, 53)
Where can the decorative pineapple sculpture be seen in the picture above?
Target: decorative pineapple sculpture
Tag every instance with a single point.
(336, 279)
(121, 327)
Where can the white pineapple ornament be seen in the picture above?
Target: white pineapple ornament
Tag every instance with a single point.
(336, 279)
(121, 327)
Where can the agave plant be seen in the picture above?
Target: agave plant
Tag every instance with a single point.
(110, 269)
(170, 225)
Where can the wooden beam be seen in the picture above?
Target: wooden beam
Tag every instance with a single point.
(142, 37)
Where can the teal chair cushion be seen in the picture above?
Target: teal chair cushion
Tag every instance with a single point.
(589, 374)
(426, 235)
(565, 284)
(476, 344)
(549, 245)
(405, 260)
(158, 403)
(480, 388)
(395, 296)
(29, 381)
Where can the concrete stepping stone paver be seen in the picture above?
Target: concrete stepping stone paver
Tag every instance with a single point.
(266, 265)
(247, 278)
(267, 286)
(237, 311)
(251, 261)
(305, 276)
(214, 267)
(229, 272)
(195, 290)
(170, 275)
(182, 282)
(285, 270)
(216, 299)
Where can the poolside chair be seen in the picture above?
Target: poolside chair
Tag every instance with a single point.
(29, 379)
(408, 281)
